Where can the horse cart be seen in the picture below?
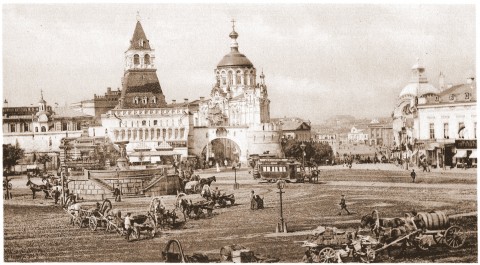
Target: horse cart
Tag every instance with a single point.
(223, 198)
(332, 245)
(163, 217)
(416, 230)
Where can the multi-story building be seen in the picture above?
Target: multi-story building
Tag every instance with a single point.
(434, 126)
(447, 126)
(357, 135)
(39, 130)
(142, 116)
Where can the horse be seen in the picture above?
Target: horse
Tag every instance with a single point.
(35, 187)
(389, 229)
(208, 180)
(192, 187)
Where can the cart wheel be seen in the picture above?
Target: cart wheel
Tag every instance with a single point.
(454, 237)
(327, 255)
(369, 256)
(438, 238)
(173, 252)
(92, 223)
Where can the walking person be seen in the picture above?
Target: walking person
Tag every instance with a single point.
(413, 175)
(116, 193)
(343, 205)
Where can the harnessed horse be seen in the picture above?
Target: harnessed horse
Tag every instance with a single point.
(35, 187)
(207, 181)
(391, 229)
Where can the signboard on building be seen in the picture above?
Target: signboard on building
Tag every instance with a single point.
(466, 144)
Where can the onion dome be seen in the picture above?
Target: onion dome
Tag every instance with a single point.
(234, 58)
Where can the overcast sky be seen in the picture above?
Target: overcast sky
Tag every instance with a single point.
(319, 60)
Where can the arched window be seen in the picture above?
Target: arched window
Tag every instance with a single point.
(245, 79)
(144, 123)
(239, 78)
(44, 129)
(145, 100)
(154, 100)
(146, 59)
(136, 59)
(36, 129)
(230, 78)
(224, 78)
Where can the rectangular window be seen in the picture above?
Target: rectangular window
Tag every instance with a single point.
(432, 131)
(154, 122)
(461, 130)
(12, 127)
(445, 131)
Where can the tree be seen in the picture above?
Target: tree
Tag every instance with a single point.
(43, 159)
(314, 152)
(11, 155)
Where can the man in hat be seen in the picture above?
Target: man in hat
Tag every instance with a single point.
(343, 205)
(413, 175)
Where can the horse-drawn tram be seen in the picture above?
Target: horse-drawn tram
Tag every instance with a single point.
(273, 169)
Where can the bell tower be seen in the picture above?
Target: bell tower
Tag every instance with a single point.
(141, 88)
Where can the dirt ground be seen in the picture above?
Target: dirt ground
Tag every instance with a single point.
(39, 231)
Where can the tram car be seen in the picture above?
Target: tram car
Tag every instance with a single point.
(272, 169)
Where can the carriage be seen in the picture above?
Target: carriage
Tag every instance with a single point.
(416, 229)
(331, 245)
(223, 198)
(273, 169)
(165, 217)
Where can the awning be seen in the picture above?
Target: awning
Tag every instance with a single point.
(460, 154)
(473, 154)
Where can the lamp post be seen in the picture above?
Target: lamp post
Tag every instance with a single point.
(302, 146)
(236, 186)
(282, 226)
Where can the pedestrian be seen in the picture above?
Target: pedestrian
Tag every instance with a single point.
(252, 200)
(128, 226)
(343, 205)
(56, 195)
(116, 193)
(413, 175)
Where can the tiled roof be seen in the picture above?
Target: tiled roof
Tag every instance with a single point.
(139, 40)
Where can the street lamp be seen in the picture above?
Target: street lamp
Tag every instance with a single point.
(302, 146)
(282, 226)
(236, 186)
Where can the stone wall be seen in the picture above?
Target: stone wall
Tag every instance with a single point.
(91, 189)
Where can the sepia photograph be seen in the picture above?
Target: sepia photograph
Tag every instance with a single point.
(239, 132)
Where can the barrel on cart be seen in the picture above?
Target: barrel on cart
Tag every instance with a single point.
(437, 224)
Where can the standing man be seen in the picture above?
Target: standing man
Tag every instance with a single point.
(128, 225)
(413, 175)
(252, 200)
(343, 205)
(116, 193)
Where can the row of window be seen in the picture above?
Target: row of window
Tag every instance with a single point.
(136, 59)
(274, 169)
(25, 127)
(446, 130)
(144, 100)
(149, 134)
(144, 123)
(249, 79)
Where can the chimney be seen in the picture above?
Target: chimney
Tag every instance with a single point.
(109, 90)
(5, 103)
(202, 98)
(186, 100)
(174, 101)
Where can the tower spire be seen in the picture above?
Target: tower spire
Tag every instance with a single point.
(138, 16)
(41, 94)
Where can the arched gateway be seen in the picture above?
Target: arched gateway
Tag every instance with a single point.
(221, 150)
